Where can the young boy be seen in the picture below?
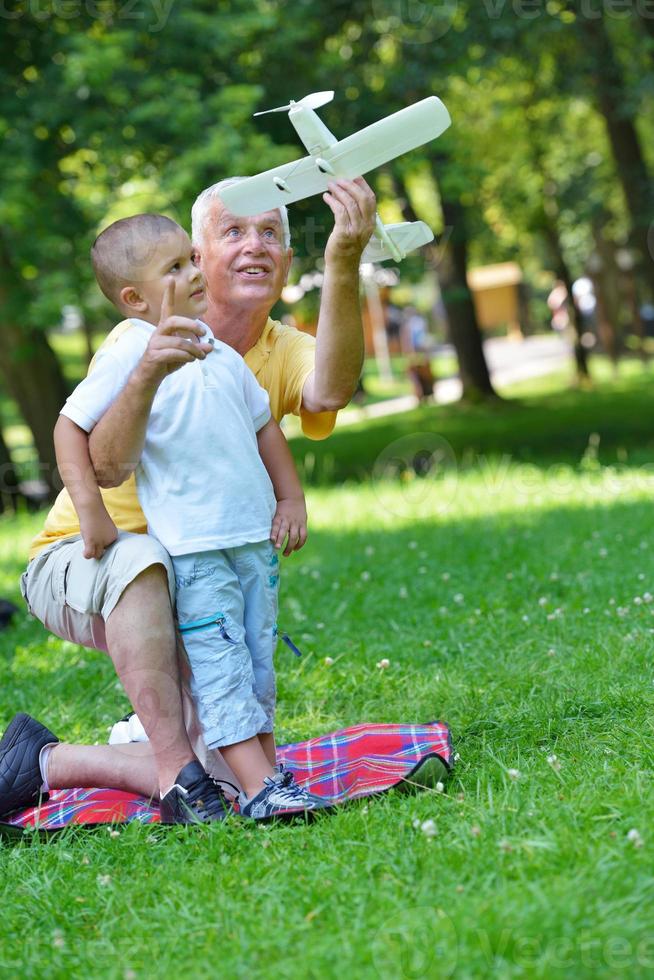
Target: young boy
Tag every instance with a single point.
(213, 462)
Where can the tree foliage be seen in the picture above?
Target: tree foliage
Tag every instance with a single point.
(112, 108)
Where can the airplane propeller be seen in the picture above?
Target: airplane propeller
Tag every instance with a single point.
(313, 101)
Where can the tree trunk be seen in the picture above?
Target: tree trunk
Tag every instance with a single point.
(452, 263)
(33, 377)
(9, 491)
(563, 273)
(615, 104)
(645, 22)
(548, 216)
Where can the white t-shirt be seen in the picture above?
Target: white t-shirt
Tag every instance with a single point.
(201, 481)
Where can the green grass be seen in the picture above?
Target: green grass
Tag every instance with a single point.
(545, 422)
(511, 594)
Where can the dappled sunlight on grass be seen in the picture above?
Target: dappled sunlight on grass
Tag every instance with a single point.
(513, 599)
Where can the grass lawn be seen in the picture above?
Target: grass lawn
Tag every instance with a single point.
(511, 589)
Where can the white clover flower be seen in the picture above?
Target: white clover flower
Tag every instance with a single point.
(365, 576)
(369, 550)
(554, 762)
(602, 552)
(439, 787)
(445, 576)
(641, 577)
(542, 601)
(637, 600)
(428, 827)
(513, 773)
(403, 593)
(458, 598)
(413, 545)
(648, 597)
(328, 661)
(585, 610)
(525, 619)
(634, 838)
(383, 664)
(422, 570)
(509, 575)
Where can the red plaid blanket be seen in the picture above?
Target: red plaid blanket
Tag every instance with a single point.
(345, 765)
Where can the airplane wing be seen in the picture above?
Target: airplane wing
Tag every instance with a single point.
(407, 236)
(257, 194)
(351, 157)
(389, 138)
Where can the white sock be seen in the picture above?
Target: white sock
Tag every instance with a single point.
(44, 755)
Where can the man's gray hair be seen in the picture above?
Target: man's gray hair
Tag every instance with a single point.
(201, 208)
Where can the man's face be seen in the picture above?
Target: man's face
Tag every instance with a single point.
(173, 258)
(243, 259)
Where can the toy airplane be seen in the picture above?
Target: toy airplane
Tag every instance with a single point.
(351, 157)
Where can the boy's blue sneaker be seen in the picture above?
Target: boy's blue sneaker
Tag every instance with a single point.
(20, 773)
(282, 798)
(195, 798)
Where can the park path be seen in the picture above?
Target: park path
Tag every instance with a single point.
(509, 361)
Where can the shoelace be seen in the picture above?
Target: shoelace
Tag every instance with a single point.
(286, 786)
(208, 799)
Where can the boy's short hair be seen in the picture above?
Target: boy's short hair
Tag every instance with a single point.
(121, 252)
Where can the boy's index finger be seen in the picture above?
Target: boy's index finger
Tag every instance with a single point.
(168, 301)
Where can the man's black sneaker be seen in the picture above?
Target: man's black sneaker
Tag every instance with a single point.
(195, 798)
(280, 798)
(20, 773)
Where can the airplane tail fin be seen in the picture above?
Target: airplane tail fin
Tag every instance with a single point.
(406, 236)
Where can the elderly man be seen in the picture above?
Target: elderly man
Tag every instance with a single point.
(121, 602)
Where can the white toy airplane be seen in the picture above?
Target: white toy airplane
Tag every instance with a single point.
(351, 157)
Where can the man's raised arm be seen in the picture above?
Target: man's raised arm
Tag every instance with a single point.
(116, 442)
(339, 338)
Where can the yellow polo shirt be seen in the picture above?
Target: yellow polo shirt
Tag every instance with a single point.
(281, 360)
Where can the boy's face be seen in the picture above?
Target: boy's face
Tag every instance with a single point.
(172, 257)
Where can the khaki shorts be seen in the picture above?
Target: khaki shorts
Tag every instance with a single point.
(73, 596)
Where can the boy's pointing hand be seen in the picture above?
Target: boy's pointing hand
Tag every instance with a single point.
(174, 343)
